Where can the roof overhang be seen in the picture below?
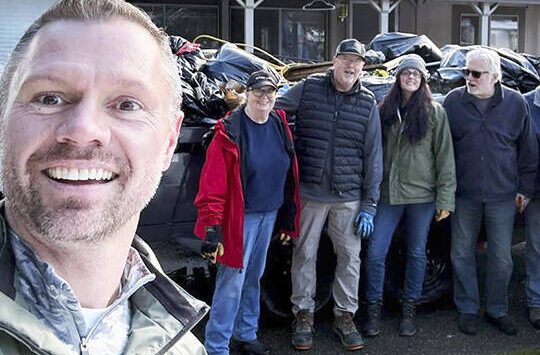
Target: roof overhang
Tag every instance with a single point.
(500, 2)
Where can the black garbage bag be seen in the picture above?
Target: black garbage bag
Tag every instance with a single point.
(379, 86)
(396, 44)
(188, 54)
(517, 72)
(202, 98)
(234, 63)
(374, 57)
(534, 60)
(446, 79)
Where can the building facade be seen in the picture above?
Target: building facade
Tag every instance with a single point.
(283, 28)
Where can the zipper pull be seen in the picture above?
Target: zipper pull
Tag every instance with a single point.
(84, 347)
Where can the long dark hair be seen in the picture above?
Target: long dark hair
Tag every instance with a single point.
(418, 108)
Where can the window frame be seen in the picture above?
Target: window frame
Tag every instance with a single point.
(502, 10)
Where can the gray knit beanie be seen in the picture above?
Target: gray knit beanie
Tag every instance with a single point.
(413, 61)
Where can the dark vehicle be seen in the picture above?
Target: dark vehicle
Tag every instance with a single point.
(171, 216)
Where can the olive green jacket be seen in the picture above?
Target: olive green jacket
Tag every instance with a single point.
(162, 314)
(423, 171)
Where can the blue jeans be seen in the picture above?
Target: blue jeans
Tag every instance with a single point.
(418, 219)
(236, 302)
(466, 223)
(532, 254)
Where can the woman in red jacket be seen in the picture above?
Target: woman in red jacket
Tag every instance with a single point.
(249, 183)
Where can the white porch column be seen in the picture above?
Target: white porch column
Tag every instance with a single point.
(485, 12)
(384, 10)
(249, 19)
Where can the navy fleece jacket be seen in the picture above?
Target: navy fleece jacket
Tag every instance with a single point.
(496, 151)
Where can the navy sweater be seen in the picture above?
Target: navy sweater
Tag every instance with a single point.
(496, 151)
(535, 120)
(267, 165)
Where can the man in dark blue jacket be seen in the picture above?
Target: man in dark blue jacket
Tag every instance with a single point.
(496, 161)
(532, 218)
(338, 144)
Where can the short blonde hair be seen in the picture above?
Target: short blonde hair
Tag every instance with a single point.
(87, 10)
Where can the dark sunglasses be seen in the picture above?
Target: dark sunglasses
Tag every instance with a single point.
(475, 73)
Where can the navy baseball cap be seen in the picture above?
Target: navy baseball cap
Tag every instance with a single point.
(259, 79)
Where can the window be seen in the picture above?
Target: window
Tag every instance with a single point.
(504, 32)
(303, 35)
(188, 21)
(468, 30)
(505, 27)
(290, 34)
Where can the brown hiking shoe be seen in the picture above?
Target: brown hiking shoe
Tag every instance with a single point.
(302, 337)
(345, 329)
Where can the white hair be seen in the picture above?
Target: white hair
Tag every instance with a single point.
(489, 57)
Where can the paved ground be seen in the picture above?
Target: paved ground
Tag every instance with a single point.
(438, 332)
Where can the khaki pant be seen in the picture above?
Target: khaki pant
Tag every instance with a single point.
(347, 247)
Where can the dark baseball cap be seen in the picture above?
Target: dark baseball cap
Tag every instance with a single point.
(351, 46)
(261, 78)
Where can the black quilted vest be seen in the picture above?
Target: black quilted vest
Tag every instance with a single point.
(331, 124)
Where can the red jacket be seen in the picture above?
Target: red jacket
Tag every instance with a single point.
(220, 200)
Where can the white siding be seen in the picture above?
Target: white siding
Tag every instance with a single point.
(15, 17)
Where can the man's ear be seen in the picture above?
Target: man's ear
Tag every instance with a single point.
(172, 140)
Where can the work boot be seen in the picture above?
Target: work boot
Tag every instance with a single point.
(505, 324)
(302, 337)
(407, 324)
(373, 312)
(534, 317)
(254, 347)
(346, 331)
(468, 323)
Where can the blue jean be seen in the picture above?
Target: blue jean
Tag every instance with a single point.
(236, 302)
(466, 223)
(532, 254)
(418, 219)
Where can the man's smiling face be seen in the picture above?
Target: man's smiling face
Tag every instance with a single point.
(86, 132)
(347, 70)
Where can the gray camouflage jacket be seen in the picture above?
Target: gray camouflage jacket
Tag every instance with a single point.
(162, 313)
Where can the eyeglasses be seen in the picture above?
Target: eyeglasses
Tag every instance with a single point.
(414, 73)
(261, 92)
(348, 60)
(475, 73)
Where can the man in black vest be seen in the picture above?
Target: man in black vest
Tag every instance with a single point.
(338, 144)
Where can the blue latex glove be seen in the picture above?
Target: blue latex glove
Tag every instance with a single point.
(363, 224)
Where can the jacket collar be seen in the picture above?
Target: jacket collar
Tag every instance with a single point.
(153, 305)
(355, 88)
(497, 97)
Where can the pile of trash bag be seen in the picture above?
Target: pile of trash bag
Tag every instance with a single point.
(378, 85)
(234, 63)
(201, 96)
(396, 44)
(213, 86)
(517, 71)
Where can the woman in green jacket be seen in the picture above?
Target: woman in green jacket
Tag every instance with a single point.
(418, 179)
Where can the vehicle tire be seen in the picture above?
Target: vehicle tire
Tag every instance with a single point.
(438, 277)
(276, 284)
